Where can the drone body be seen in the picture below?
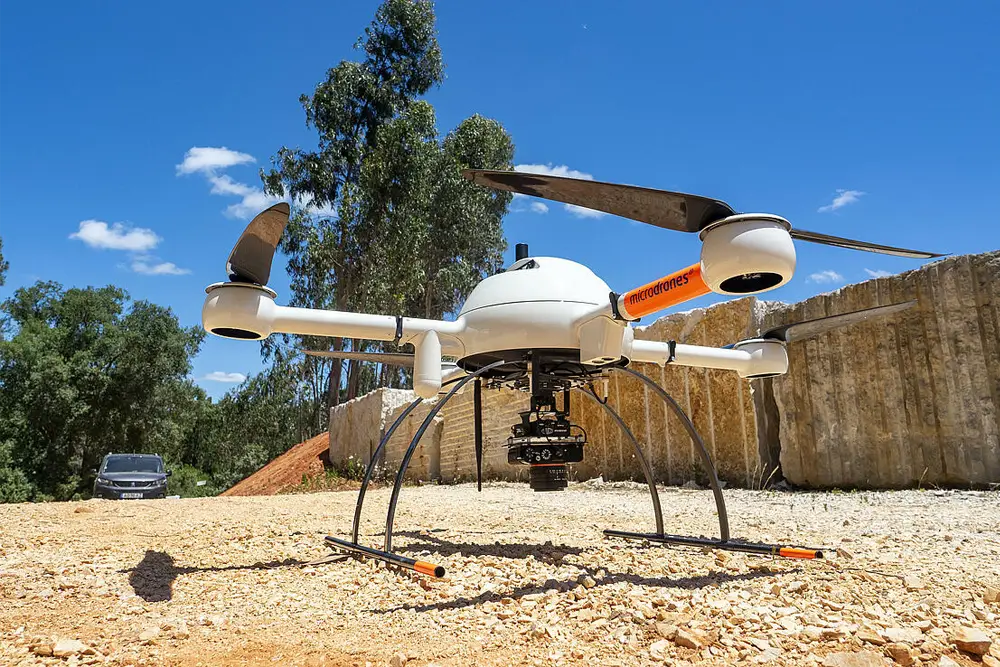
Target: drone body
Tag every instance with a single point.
(550, 326)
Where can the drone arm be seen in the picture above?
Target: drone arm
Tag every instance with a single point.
(246, 311)
(754, 359)
(314, 322)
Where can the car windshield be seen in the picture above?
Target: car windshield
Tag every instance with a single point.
(132, 464)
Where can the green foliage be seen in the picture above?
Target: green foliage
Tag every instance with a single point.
(184, 480)
(85, 372)
(259, 420)
(352, 469)
(14, 484)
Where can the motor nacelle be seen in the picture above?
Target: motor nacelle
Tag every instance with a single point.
(768, 358)
(747, 254)
(239, 310)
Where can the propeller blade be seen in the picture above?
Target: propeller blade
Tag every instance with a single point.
(661, 208)
(811, 328)
(477, 401)
(405, 360)
(851, 244)
(250, 260)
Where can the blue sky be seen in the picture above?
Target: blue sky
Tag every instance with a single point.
(781, 107)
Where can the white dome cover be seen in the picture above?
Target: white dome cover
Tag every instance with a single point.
(552, 279)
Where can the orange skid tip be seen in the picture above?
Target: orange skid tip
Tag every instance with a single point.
(668, 291)
(792, 552)
(430, 569)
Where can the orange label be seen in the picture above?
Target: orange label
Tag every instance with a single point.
(668, 291)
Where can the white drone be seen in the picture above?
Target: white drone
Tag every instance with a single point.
(548, 325)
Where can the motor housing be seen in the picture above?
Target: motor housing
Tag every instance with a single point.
(768, 358)
(748, 253)
(239, 310)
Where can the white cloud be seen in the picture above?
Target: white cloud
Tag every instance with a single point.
(843, 198)
(134, 240)
(566, 172)
(223, 376)
(538, 207)
(148, 266)
(828, 276)
(877, 273)
(209, 160)
(116, 236)
(251, 204)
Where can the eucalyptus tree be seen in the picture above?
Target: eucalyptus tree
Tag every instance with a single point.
(384, 221)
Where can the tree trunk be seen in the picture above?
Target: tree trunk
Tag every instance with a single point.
(333, 388)
(354, 374)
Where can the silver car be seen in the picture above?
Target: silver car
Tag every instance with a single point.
(131, 476)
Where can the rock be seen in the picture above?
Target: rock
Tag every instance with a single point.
(972, 640)
(900, 653)
(870, 637)
(64, 648)
(149, 635)
(903, 635)
(848, 659)
(991, 595)
(398, 660)
(912, 583)
(945, 661)
(215, 621)
(658, 649)
(588, 582)
(666, 630)
(768, 655)
(797, 586)
(42, 649)
(689, 639)
(83, 509)
(990, 661)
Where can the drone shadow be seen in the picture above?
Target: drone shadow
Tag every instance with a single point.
(153, 577)
(547, 554)
(550, 554)
(608, 579)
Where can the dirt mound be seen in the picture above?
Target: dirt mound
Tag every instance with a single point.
(304, 459)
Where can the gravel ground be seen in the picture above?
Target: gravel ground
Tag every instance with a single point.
(227, 581)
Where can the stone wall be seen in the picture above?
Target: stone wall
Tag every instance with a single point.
(907, 399)
(910, 400)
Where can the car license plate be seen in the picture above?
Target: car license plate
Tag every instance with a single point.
(131, 496)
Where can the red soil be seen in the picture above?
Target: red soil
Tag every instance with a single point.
(304, 459)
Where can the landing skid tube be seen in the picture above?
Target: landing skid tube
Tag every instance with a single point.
(724, 542)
